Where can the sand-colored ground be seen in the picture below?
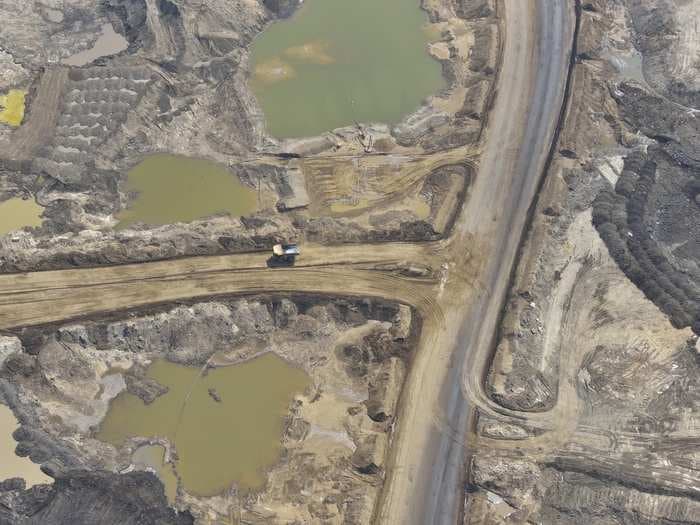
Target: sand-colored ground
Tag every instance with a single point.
(12, 107)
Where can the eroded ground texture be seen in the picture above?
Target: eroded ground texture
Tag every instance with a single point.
(595, 380)
(336, 432)
(182, 87)
(591, 412)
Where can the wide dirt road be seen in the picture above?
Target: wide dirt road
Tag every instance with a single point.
(428, 460)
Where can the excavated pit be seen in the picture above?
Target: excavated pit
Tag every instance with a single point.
(170, 92)
(334, 430)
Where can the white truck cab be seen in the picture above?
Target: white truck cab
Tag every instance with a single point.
(285, 250)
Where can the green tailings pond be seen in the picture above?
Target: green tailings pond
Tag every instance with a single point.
(226, 423)
(12, 465)
(16, 213)
(335, 61)
(171, 188)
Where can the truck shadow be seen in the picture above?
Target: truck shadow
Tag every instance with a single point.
(280, 262)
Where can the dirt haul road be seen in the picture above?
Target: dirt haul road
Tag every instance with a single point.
(532, 81)
(459, 302)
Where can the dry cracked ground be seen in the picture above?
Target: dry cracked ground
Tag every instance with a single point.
(591, 400)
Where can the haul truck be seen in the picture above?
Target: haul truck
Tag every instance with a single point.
(283, 255)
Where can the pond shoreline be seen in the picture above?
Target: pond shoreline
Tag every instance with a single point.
(365, 78)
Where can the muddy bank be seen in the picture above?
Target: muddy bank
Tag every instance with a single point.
(442, 194)
(335, 434)
(174, 92)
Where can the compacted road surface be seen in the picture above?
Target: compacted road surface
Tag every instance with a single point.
(532, 81)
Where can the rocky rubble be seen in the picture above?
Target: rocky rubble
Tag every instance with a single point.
(613, 373)
(24, 252)
(564, 497)
(60, 379)
(667, 37)
(525, 375)
(136, 498)
(650, 222)
(184, 80)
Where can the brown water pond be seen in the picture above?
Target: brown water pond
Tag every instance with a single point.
(226, 423)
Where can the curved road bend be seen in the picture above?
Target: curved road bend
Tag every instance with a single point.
(429, 490)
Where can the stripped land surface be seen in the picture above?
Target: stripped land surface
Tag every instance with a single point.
(38, 128)
(459, 300)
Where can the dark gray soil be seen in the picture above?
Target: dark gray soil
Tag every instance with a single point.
(89, 498)
(651, 220)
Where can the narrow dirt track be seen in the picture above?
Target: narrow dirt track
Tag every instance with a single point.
(50, 305)
(460, 305)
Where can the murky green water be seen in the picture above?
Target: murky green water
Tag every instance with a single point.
(11, 465)
(16, 213)
(336, 61)
(181, 189)
(218, 442)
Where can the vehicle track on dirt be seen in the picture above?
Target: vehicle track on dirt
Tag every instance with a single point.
(537, 55)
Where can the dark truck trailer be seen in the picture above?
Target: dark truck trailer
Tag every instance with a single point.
(283, 255)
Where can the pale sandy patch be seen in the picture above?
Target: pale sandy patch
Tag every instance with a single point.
(274, 70)
(315, 52)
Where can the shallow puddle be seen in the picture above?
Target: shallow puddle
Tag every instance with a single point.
(226, 424)
(172, 189)
(16, 213)
(11, 465)
(108, 43)
(153, 457)
(336, 61)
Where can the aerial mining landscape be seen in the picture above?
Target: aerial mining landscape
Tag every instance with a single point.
(333, 262)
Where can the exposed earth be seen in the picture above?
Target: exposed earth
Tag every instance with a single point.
(496, 307)
(597, 361)
(335, 435)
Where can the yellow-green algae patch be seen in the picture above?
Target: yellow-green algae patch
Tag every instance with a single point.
(16, 213)
(12, 107)
(171, 188)
(226, 424)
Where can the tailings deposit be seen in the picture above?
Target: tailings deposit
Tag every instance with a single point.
(225, 423)
(171, 188)
(334, 62)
